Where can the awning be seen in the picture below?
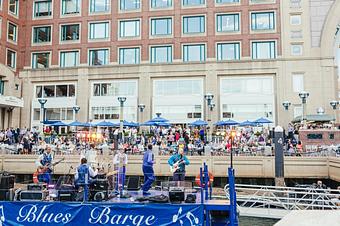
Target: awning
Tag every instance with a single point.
(315, 118)
(10, 101)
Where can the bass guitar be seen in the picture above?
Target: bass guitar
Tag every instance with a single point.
(40, 171)
(175, 166)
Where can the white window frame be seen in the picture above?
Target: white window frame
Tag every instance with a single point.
(291, 18)
(292, 45)
(253, 2)
(68, 50)
(69, 41)
(43, 43)
(41, 17)
(100, 13)
(229, 42)
(49, 59)
(16, 14)
(70, 15)
(130, 47)
(130, 10)
(99, 39)
(99, 48)
(193, 6)
(161, 36)
(251, 49)
(163, 45)
(15, 59)
(130, 37)
(221, 4)
(227, 32)
(16, 33)
(194, 44)
(160, 8)
(194, 33)
(263, 30)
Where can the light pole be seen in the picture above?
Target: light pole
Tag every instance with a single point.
(233, 134)
(286, 105)
(42, 102)
(303, 96)
(121, 118)
(334, 104)
(141, 108)
(209, 97)
(76, 110)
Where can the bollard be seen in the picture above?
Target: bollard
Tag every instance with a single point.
(279, 157)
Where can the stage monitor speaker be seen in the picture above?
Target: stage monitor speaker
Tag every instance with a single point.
(36, 187)
(7, 194)
(100, 196)
(133, 183)
(6, 181)
(176, 195)
(32, 195)
(100, 185)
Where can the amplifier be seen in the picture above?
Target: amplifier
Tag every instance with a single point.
(7, 181)
(176, 195)
(100, 185)
(36, 187)
(32, 195)
(7, 194)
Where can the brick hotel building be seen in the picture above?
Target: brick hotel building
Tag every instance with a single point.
(166, 54)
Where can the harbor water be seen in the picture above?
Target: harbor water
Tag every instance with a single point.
(255, 221)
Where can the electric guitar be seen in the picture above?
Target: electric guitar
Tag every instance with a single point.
(40, 171)
(175, 166)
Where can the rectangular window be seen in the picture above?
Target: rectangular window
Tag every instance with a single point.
(129, 28)
(12, 32)
(228, 22)
(161, 3)
(42, 8)
(295, 19)
(69, 32)
(161, 26)
(61, 91)
(11, 59)
(129, 55)
(298, 84)
(262, 1)
(296, 49)
(193, 24)
(99, 6)
(99, 30)
(13, 6)
(228, 51)
(2, 83)
(69, 59)
(263, 21)
(193, 2)
(161, 54)
(40, 60)
(227, 1)
(129, 4)
(42, 34)
(264, 50)
(70, 7)
(98, 57)
(194, 53)
(49, 91)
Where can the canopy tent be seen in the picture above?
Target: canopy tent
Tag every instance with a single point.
(262, 121)
(88, 124)
(158, 119)
(59, 124)
(105, 124)
(50, 122)
(76, 123)
(247, 123)
(127, 124)
(199, 123)
(228, 122)
(150, 123)
(315, 118)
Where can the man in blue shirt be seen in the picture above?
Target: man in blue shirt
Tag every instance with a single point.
(149, 177)
(178, 163)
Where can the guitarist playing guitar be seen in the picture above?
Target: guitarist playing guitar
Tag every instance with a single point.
(44, 164)
(177, 164)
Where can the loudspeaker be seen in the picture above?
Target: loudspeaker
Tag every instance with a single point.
(7, 194)
(6, 181)
(100, 185)
(32, 195)
(133, 183)
(66, 192)
(36, 187)
(176, 195)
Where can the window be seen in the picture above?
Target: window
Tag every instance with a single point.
(227, 1)
(129, 28)
(264, 50)
(262, 1)
(99, 30)
(129, 55)
(161, 3)
(262, 21)
(295, 19)
(298, 84)
(99, 6)
(70, 7)
(2, 83)
(194, 53)
(11, 59)
(178, 87)
(129, 4)
(193, 24)
(41, 34)
(42, 8)
(161, 54)
(193, 2)
(228, 22)
(13, 6)
(297, 111)
(161, 26)
(296, 49)
(12, 32)
(70, 32)
(228, 51)
(121, 88)
(62, 90)
(69, 59)
(40, 60)
(98, 57)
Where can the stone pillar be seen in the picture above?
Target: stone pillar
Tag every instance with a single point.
(83, 95)
(145, 92)
(279, 156)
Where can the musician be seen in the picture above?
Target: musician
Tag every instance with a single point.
(44, 163)
(149, 177)
(84, 173)
(120, 161)
(179, 160)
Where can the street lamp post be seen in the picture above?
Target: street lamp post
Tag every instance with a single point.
(233, 134)
(42, 102)
(209, 97)
(121, 118)
(303, 96)
(76, 110)
(286, 105)
(334, 104)
(141, 108)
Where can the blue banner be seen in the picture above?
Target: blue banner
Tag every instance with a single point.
(48, 213)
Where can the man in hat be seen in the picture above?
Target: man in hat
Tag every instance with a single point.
(178, 163)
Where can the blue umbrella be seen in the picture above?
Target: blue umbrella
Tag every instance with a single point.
(158, 119)
(229, 122)
(76, 123)
(127, 124)
(247, 123)
(166, 124)
(48, 122)
(105, 124)
(59, 124)
(88, 124)
(262, 121)
(199, 123)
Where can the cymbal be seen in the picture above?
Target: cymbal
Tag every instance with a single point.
(112, 173)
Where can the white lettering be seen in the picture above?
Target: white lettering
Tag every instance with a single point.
(150, 220)
(136, 221)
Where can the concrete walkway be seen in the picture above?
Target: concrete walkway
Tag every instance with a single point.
(311, 218)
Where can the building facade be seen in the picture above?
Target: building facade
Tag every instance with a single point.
(167, 54)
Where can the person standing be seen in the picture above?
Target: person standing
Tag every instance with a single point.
(44, 164)
(120, 161)
(178, 163)
(149, 176)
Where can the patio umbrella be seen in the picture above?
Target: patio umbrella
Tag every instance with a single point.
(105, 124)
(127, 124)
(198, 123)
(220, 123)
(88, 124)
(262, 121)
(229, 122)
(76, 123)
(159, 119)
(59, 124)
(165, 124)
(247, 123)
